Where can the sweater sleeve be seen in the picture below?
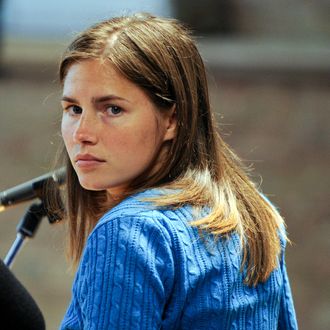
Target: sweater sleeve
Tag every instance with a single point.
(287, 315)
(124, 277)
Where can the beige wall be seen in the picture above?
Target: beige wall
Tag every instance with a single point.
(278, 124)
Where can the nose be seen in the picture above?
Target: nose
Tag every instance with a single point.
(85, 131)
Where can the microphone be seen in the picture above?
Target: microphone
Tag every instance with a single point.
(18, 309)
(31, 189)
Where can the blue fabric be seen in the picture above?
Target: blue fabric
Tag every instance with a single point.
(144, 268)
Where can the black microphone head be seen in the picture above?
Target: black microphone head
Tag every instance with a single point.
(18, 309)
(35, 188)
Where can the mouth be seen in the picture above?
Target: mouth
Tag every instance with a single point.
(87, 161)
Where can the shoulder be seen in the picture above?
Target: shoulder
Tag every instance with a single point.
(138, 210)
(138, 230)
(133, 235)
(129, 259)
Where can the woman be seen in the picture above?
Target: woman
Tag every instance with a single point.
(168, 230)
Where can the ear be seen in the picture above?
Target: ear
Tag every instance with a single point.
(170, 124)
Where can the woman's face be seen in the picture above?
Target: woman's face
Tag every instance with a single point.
(111, 129)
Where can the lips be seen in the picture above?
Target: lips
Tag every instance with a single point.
(87, 160)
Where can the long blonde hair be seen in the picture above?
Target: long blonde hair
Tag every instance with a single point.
(160, 56)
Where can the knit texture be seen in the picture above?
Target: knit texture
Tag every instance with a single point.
(146, 268)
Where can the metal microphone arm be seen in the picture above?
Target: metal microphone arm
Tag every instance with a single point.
(31, 189)
(29, 223)
(26, 228)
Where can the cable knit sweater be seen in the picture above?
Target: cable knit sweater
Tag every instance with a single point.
(145, 268)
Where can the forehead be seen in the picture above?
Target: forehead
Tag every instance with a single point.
(94, 78)
(93, 71)
(94, 74)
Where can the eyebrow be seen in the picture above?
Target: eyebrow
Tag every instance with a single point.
(96, 100)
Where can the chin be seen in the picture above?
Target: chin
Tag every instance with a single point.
(99, 182)
(91, 185)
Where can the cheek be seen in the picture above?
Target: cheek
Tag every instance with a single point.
(66, 132)
(133, 145)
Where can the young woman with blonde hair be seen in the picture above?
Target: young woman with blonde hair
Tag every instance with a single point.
(166, 227)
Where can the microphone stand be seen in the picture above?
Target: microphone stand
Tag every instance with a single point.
(29, 224)
(26, 228)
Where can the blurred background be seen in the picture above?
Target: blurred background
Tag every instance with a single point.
(268, 64)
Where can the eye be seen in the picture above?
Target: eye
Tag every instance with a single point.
(74, 109)
(113, 110)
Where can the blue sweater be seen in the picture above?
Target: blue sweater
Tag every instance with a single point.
(144, 268)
